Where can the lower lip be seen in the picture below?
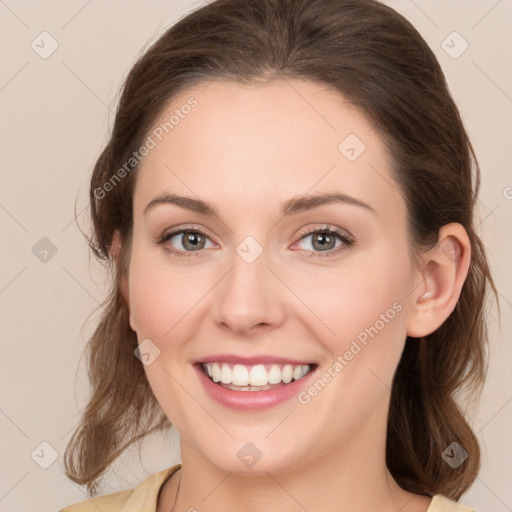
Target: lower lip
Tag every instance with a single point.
(252, 400)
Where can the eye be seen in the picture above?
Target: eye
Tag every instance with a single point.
(323, 240)
(192, 241)
(183, 241)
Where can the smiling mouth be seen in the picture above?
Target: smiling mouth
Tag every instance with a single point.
(259, 377)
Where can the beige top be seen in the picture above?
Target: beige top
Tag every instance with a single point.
(144, 498)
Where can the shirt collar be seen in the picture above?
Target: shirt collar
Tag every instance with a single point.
(145, 495)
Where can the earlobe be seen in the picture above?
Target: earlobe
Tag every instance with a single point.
(445, 268)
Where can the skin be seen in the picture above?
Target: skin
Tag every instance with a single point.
(247, 150)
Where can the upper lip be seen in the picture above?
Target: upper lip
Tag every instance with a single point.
(258, 359)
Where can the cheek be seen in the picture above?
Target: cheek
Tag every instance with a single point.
(351, 295)
(359, 310)
(164, 296)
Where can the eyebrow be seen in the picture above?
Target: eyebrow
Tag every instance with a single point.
(291, 207)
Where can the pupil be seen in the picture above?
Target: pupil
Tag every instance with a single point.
(324, 239)
(192, 238)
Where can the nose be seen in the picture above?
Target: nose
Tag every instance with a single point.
(249, 298)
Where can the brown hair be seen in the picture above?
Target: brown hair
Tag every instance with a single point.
(377, 60)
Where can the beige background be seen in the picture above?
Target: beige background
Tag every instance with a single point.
(56, 113)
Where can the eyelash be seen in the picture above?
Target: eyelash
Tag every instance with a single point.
(348, 242)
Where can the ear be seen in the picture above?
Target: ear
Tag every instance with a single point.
(116, 245)
(443, 271)
(115, 252)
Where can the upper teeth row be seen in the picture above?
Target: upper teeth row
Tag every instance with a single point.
(257, 375)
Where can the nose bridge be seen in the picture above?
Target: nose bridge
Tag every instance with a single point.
(249, 295)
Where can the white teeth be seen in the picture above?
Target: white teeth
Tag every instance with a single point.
(215, 372)
(274, 374)
(287, 374)
(257, 375)
(297, 373)
(225, 374)
(240, 374)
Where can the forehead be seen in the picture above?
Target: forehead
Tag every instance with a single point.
(266, 142)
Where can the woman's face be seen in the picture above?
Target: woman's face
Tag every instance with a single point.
(254, 280)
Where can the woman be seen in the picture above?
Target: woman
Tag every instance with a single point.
(286, 205)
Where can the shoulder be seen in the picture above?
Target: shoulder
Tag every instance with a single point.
(107, 503)
(441, 503)
(143, 497)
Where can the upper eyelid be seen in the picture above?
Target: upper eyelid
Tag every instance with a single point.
(324, 227)
(187, 227)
